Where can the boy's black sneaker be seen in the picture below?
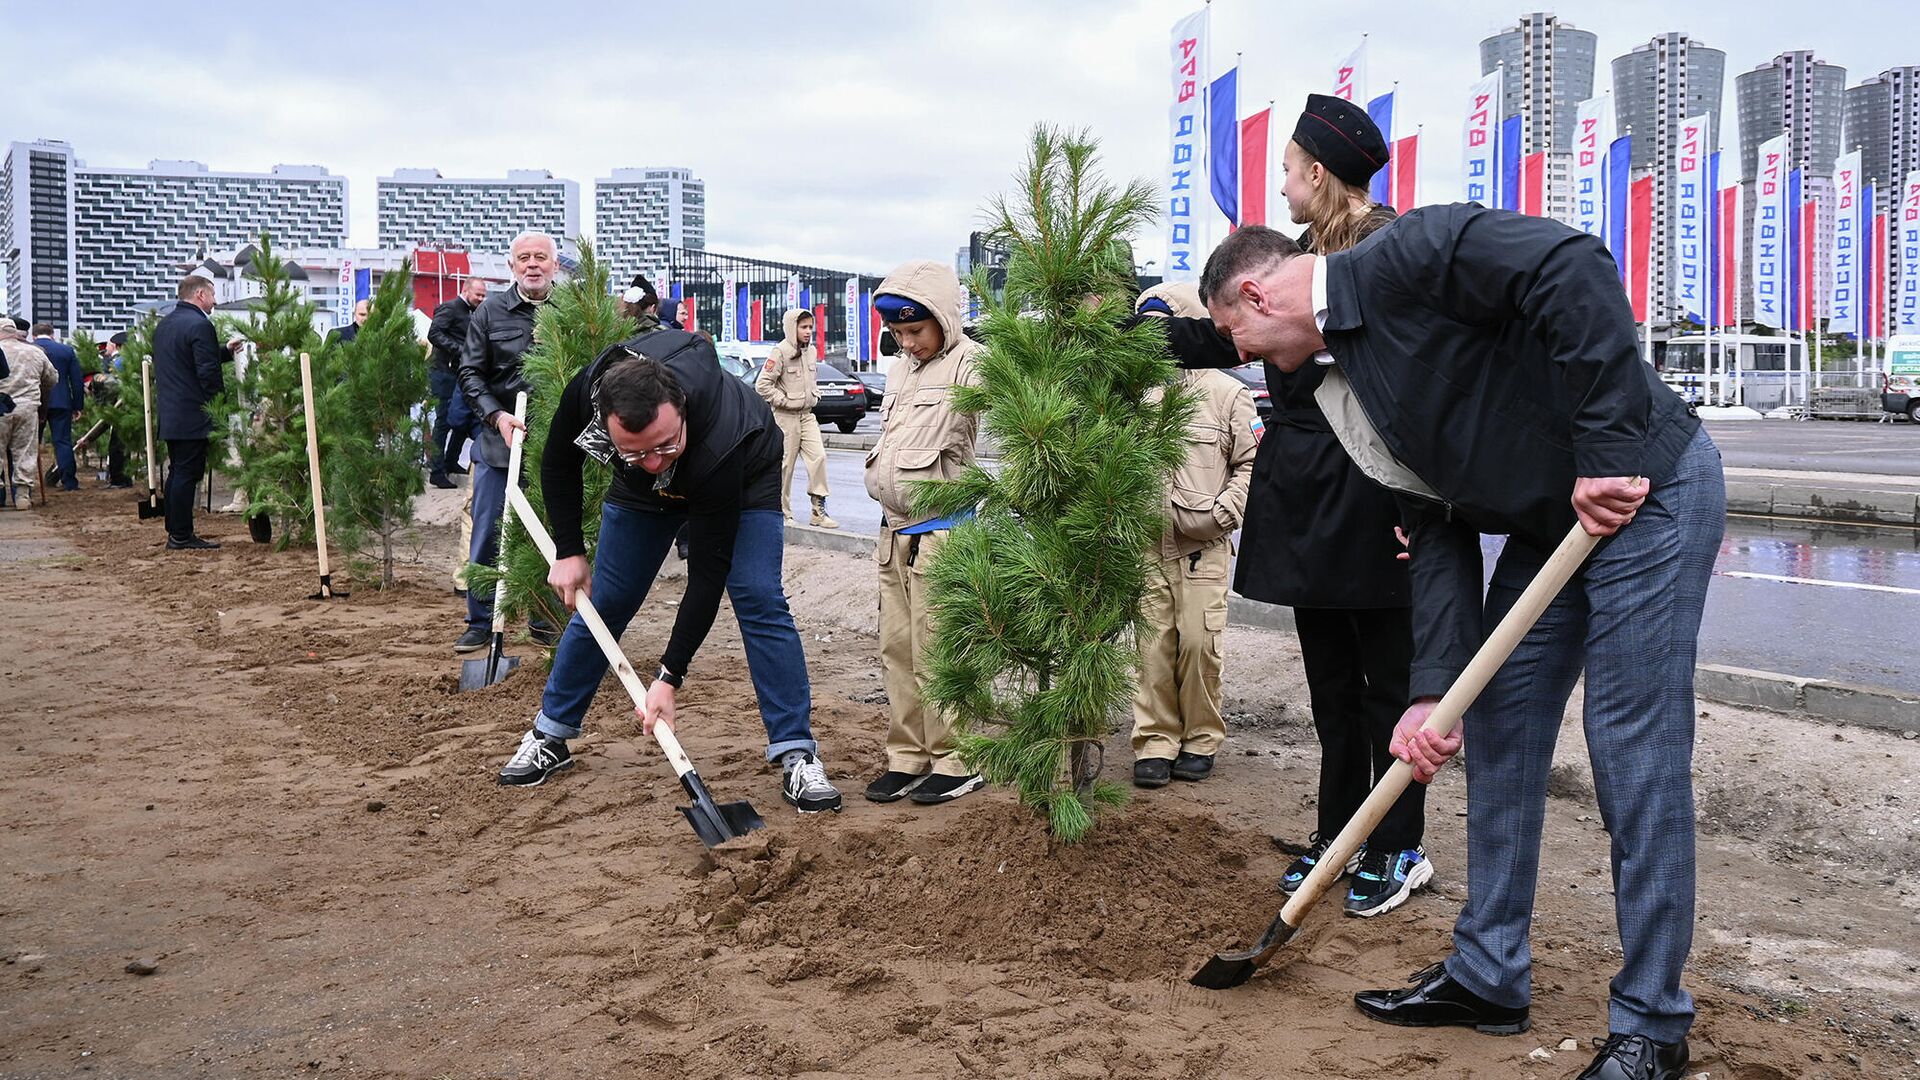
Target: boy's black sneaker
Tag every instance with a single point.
(1193, 767)
(1296, 874)
(1152, 772)
(893, 786)
(940, 789)
(1385, 880)
(538, 757)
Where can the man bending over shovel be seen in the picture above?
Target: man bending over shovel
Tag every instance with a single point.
(1482, 365)
(688, 444)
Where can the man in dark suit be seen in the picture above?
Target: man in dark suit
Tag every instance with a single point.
(448, 336)
(1483, 365)
(64, 403)
(186, 375)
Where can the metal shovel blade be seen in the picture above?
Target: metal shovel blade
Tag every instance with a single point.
(716, 823)
(480, 674)
(152, 506)
(327, 591)
(1228, 970)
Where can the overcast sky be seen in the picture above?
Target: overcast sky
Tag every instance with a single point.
(840, 133)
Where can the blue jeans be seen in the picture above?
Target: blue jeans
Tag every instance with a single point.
(489, 499)
(1632, 619)
(60, 424)
(633, 544)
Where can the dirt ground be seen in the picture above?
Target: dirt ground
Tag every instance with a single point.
(286, 807)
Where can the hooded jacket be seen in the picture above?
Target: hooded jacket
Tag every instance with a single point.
(790, 379)
(922, 437)
(1207, 496)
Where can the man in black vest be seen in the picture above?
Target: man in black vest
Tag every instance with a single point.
(186, 376)
(1483, 365)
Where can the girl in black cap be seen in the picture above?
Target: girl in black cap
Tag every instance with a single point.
(1319, 537)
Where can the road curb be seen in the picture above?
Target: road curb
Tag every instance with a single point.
(1853, 505)
(845, 543)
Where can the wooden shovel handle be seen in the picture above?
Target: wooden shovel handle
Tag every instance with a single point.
(515, 452)
(609, 645)
(313, 465)
(146, 406)
(1546, 585)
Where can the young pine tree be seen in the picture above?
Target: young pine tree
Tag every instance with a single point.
(580, 319)
(1036, 600)
(371, 467)
(269, 454)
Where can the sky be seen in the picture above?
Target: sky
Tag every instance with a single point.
(841, 133)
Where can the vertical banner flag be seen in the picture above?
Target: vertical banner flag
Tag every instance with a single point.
(1711, 226)
(1770, 234)
(1380, 111)
(1843, 305)
(1350, 77)
(1809, 230)
(1479, 162)
(1405, 165)
(729, 322)
(1907, 307)
(1640, 246)
(1690, 216)
(1795, 281)
(1533, 184)
(1619, 159)
(1867, 252)
(343, 295)
(874, 325)
(819, 331)
(793, 295)
(1510, 163)
(693, 319)
(757, 317)
(1592, 131)
(1253, 167)
(852, 314)
(1877, 281)
(1727, 222)
(747, 332)
(1223, 148)
(1188, 153)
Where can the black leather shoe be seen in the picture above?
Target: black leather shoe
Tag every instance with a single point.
(440, 480)
(1152, 772)
(1192, 766)
(191, 543)
(1636, 1057)
(1435, 1000)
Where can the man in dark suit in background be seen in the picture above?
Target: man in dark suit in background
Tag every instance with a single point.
(448, 336)
(186, 375)
(64, 403)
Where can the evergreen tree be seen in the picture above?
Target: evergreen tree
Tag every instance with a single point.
(579, 321)
(120, 403)
(1036, 599)
(269, 455)
(371, 468)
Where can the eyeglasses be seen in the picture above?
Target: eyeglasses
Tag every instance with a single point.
(664, 451)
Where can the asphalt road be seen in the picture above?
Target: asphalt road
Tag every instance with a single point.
(1847, 446)
(1825, 602)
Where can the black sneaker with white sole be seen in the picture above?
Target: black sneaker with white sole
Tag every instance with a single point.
(538, 757)
(1385, 880)
(805, 786)
(475, 639)
(938, 788)
(892, 786)
(1296, 874)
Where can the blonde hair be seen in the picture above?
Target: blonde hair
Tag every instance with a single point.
(1338, 213)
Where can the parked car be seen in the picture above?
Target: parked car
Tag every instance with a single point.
(876, 384)
(843, 398)
(1255, 376)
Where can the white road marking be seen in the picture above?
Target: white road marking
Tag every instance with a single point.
(1816, 581)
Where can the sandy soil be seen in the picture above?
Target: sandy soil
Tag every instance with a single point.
(288, 809)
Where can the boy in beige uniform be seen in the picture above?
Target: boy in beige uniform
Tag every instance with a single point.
(790, 383)
(1177, 727)
(921, 438)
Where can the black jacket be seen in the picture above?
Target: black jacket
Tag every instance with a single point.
(498, 335)
(731, 463)
(186, 372)
(1495, 354)
(448, 333)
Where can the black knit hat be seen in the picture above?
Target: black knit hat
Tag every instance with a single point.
(1341, 136)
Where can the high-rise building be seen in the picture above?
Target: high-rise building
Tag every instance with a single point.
(1656, 88)
(1801, 96)
(638, 214)
(85, 246)
(1548, 67)
(1883, 123)
(421, 208)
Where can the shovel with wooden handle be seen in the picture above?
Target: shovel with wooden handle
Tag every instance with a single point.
(480, 674)
(152, 504)
(1230, 969)
(715, 823)
(327, 591)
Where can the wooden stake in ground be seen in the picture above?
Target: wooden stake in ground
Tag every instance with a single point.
(313, 474)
